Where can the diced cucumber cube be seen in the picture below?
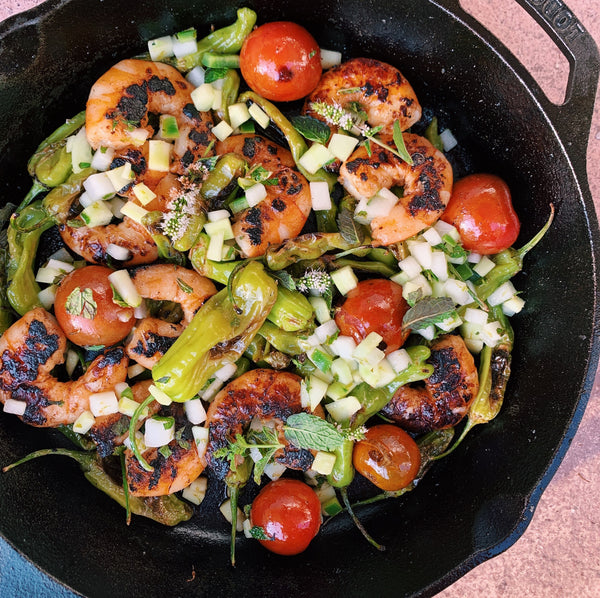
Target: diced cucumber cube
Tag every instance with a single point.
(203, 97)
(342, 146)
(133, 211)
(344, 279)
(323, 462)
(220, 226)
(344, 409)
(160, 48)
(123, 284)
(143, 193)
(257, 113)
(98, 214)
(238, 114)
(222, 130)
(168, 127)
(315, 157)
(159, 155)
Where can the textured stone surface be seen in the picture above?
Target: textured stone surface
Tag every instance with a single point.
(559, 554)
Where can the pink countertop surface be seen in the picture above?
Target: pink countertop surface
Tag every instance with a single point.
(559, 554)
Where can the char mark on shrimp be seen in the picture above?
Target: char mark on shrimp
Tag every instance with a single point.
(37, 400)
(153, 343)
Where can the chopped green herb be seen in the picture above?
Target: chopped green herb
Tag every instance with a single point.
(186, 288)
(80, 302)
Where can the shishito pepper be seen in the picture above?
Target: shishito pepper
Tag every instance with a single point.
(218, 334)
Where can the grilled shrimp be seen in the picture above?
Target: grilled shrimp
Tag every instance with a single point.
(427, 186)
(447, 394)
(283, 213)
(29, 350)
(120, 102)
(170, 473)
(153, 337)
(264, 394)
(378, 88)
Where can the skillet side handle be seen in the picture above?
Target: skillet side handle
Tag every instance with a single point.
(573, 118)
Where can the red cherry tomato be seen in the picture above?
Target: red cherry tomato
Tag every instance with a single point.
(281, 61)
(374, 305)
(289, 511)
(388, 457)
(481, 209)
(103, 322)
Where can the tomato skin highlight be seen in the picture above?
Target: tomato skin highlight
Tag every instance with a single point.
(281, 61)
(110, 324)
(374, 305)
(388, 457)
(289, 511)
(481, 209)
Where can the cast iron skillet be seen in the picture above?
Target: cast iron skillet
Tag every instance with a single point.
(471, 506)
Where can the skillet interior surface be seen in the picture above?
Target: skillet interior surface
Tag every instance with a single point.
(471, 505)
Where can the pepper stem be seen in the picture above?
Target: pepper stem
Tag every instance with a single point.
(357, 522)
(234, 490)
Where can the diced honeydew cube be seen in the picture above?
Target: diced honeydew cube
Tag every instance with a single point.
(367, 351)
(98, 214)
(321, 308)
(123, 284)
(60, 265)
(474, 258)
(83, 424)
(377, 375)
(238, 114)
(399, 360)
(160, 48)
(491, 333)
(217, 105)
(257, 113)
(128, 407)
(503, 293)
(380, 204)
(195, 412)
(196, 491)
(342, 146)
(474, 345)
(81, 152)
(71, 361)
(319, 195)
(337, 390)
(448, 140)
(443, 228)
(513, 306)
(255, 194)
(343, 409)
(222, 130)
(99, 186)
(316, 389)
(159, 395)
(450, 323)
(196, 76)
(121, 176)
(476, 316)
(168, 127)
(159, 155)
(203, 97)
(410, 266)
(14, 406)
(143, 193)
(484, 266)
(418, 284)
(214, 251)
(344, 279)
(401, 278)
(439, 265)
(458, 291)
(326, 330)
(133, 211)
(159, 432)
(340, 368)
(432, 236)
(184, 47)
(330, 58)
(226, 372)
(421, 251)
(102, 159)
(119, 253)
(200, 434)
(226, 511)
(135, 370)
(217, 215)
(47, 275)
(315, 157)
(323, 462)
(104, 403)
(344, 346)
(427, 333)
(85, 200)
(220, 226)
(274, 470)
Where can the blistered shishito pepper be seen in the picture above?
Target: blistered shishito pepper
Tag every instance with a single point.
(217, 271)
(227, 40)
(221, 181)
(230, 90)
(24, 232)
(219, 333)
(59, 200)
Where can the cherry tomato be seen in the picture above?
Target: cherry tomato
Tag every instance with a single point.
(96, 322)
(289, 511)
(281, 61)
(481, 209)
(374, 305)
(388, 457)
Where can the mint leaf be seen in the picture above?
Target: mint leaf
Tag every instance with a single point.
(116, 298)
(186, 288)
(259, 533)
(311, 128)
(80, 302)
(352, 232)
(214, 74)
(427, 311)
(399, 142)
(308, 431)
